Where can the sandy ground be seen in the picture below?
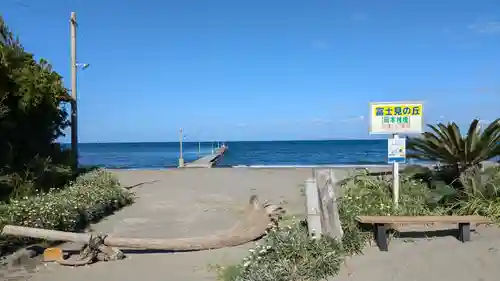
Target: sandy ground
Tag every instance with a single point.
(430, 259)
(184, 203)
(195, 202)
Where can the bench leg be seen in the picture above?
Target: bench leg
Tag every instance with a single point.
(464, 232)
(380, 233)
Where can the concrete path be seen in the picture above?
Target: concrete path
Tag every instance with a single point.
(184, 203)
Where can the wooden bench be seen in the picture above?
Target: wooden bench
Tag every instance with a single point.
(380, 224)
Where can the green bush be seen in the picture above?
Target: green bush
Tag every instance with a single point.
(370, 195)
(476, 191)
(288, 253)
(480, 194)
(91, 197)
(31, 93)
(32, 118)
(39, 175)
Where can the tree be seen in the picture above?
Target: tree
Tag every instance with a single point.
(446, 144)
(31, 117)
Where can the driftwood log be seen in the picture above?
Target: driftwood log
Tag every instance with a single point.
(258, 218)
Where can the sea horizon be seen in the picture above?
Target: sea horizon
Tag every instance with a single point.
(280, 153)
(227, 141)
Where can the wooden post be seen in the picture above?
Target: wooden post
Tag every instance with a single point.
(329, 195)
(313, 208)
(321, 199)
(74, 103)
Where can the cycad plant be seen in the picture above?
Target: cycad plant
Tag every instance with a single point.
(446, 144)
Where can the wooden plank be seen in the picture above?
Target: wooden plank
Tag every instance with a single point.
(313, 208)
(330, 218)
(422, 219)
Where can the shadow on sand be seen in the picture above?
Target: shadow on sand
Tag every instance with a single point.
(428, 234)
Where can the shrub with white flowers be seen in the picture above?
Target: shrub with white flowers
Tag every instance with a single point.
(91, 197)
(289, 253)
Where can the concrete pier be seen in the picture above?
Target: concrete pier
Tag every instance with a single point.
(208, 161)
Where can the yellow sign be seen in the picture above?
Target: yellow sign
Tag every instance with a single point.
(396, 117)
(398, 110)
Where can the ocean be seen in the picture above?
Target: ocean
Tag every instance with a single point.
(245, 153)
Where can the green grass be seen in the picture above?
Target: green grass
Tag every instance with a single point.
(228, 273)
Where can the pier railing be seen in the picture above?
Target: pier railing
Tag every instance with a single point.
(208, 161)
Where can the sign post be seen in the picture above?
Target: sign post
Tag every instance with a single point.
(394, 118)
(396, 153)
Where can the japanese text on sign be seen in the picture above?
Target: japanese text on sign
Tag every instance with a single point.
(403, 110)
(395, 120)
(396, 117)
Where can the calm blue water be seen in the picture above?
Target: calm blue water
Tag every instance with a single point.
(268, 153)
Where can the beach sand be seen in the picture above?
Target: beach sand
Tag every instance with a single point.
(197, 202)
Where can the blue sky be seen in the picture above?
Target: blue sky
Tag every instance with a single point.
(265, 70)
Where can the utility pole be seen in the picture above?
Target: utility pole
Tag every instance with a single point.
(74, 103)
(181, 160)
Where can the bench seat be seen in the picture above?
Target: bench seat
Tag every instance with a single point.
(380, 224)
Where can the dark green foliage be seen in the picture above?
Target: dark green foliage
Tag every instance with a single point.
(31, 119)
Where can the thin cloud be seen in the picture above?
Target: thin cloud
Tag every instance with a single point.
(359, 17)
(241, 125)
(486, 90)
(353, 119)
(320, 121)
(320, 45)
(489, 27)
